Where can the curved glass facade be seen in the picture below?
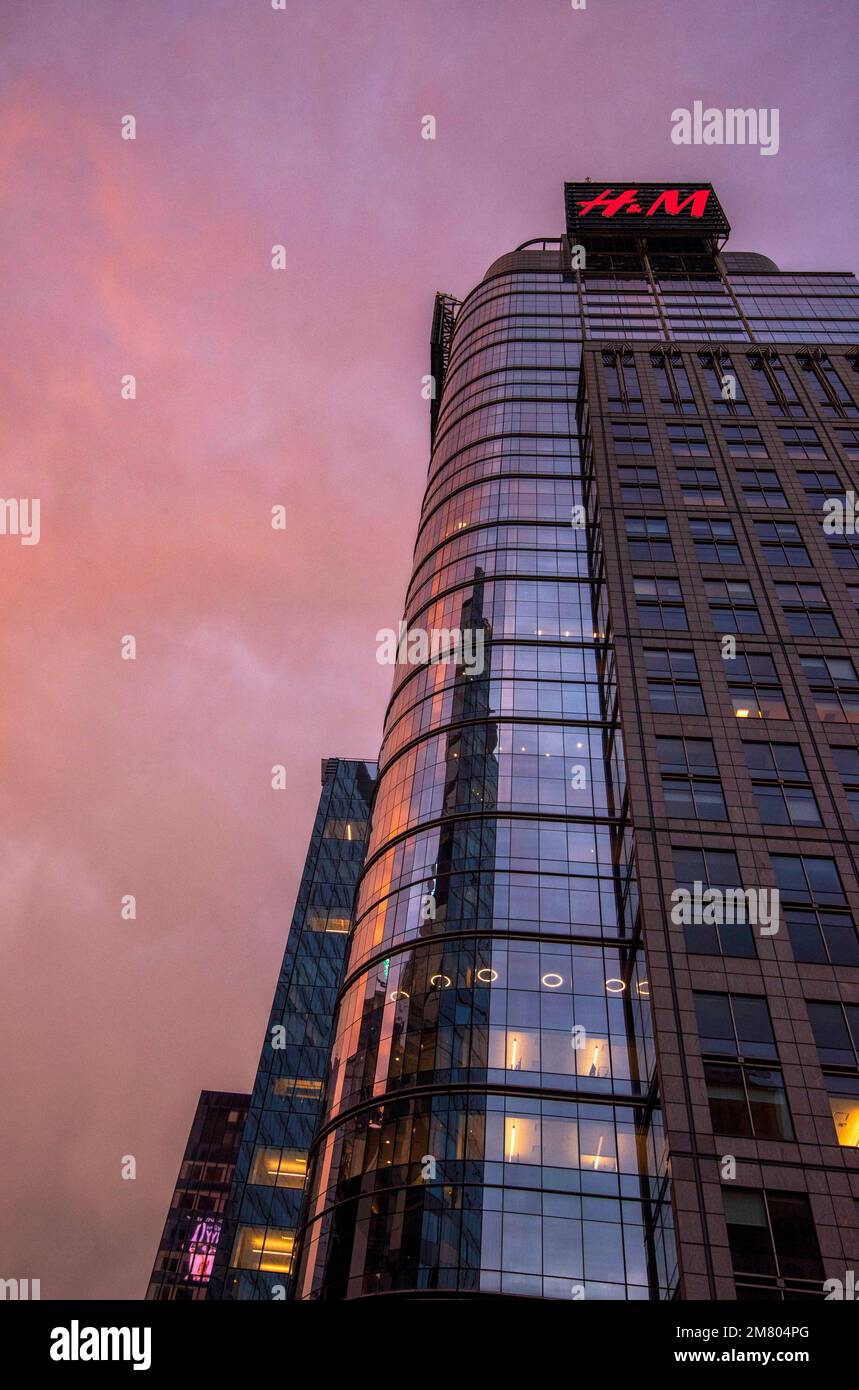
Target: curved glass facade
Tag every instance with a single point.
(491, 1123)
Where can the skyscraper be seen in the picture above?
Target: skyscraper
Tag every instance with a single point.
(186, 1253)
(552, 1075)
(255, 1252)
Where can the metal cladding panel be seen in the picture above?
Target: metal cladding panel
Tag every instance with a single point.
(644, 209)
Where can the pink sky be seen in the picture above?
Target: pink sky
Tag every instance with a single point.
(256, 387)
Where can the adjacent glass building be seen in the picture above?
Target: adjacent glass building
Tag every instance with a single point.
(186, 1253)
(540, 1085)
(256, 1250)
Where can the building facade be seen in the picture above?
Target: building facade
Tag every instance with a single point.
(192, 1231)
(256, 1250)
(552, 1075)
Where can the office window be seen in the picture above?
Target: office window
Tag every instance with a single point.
(847, 762)
(297, 1088)
(807, 612)
(690, 778)
(727, 396)
(687, 440)
(633, 438)
(836, 1036)
(835, 688)
(822, 937)
(673, 681)
(621, 379)
(327, 919)
(675, 390)
(715, 543)
(744, 441)
(820, 483)
(781, 784)
(836, 1033)
(775, 385)
(639, 483)
(732, 605)
(826, 387)
(761, 487)
(843, 1092)
(754, 687)
(747, 1101)
(278, 1168)
(811, 893)
(773, 1243)
(648, 538)
(660, 604)
(348, 830)
(808, 878)
(781, 544)
(849, 441)
(700, 485)
(801, 442)
(714, 868)
(268, 1249)
(735, 1025)
(845, 552)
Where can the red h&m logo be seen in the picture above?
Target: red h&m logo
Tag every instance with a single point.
(668, 202)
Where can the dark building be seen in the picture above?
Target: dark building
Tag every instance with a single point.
(543, 1082)
(183, 1265)
(255, 1254)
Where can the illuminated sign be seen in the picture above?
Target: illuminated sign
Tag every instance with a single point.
(649, 209)
(200, 1255)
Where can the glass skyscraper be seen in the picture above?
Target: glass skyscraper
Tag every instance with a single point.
(255, 1252)
(589, 1026)
(540, 1083)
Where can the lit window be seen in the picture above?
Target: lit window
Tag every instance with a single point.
(755, 689)
(279, 1168)
(521, 1139)
(844, 1103)
(298, 1087)
(321, 919)
(268, 1250)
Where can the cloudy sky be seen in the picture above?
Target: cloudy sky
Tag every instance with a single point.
(255, 388)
